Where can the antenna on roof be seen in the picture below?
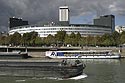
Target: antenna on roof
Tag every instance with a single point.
(65, 3)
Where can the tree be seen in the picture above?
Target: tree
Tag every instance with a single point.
(97, 40)
(78, 38)
(38, 41)
(116, 38)
(78, 35)
(122, 38)
(72, 35)
(83, 41)
(49, 40)
(67, 39)
(73, 39)
(26, 39)
(15, 39)
(3, 40)
(33, 35)
(60, 36)
(90, 40)
(106, 40)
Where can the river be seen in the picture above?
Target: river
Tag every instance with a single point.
(96, 71)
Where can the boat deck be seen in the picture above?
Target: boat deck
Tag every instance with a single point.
(31, 60)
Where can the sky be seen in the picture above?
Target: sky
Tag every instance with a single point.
(81, 11)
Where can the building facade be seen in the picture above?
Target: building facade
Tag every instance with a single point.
(44, 31)
(84, 29)
(106, 20)
(14, 22)
(120, 29)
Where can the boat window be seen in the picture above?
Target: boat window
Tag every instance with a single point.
(60, 54)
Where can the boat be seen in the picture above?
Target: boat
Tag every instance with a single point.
(80, 54)
(14, 55)
(41, 68)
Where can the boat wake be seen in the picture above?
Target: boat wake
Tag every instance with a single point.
(55, 78)
(79, 77)
(20, 80)
(73, 78)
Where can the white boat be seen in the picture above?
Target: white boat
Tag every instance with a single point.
(78, 54)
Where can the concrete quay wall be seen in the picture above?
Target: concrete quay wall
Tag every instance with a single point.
(37, 54)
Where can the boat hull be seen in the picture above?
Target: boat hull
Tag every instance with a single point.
(87, 57)
(13, 55)
(82, 55)
(39, 69)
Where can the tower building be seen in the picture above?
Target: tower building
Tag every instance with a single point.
(64, 15)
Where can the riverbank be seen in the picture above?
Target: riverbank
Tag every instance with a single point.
(39, 52)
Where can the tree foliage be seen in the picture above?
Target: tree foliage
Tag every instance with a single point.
(61, 38)
(122, 38)
(39, 41)
(15, 39)
(67, 39)
(50, 39)
(115, 38)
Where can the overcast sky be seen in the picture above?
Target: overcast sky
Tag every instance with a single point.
(81, 11)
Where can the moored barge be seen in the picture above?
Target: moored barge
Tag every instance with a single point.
(14, 55)
(61, 69)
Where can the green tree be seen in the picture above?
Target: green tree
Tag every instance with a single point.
(106, 40)
(26, 39)
(122, 37)
(97, 40)
(78, 38)
(3, 40)
(49, 40)
(90, 40)
(60, 36)
(67, 39)
(116, 38)
(15, 39)
(29, 38)
(73, 39)
(39, 41)
(83, 41)
(33, 35)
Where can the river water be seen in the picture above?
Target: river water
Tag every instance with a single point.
(96, 71)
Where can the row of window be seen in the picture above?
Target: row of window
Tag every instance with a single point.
(76, 28)
(50, 31)
(68, 32)
(82, 52)
(44, 31)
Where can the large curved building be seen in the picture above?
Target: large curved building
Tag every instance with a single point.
(45, 30)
